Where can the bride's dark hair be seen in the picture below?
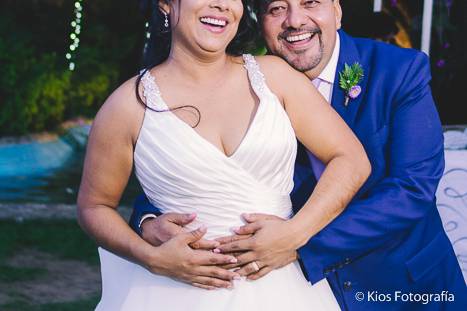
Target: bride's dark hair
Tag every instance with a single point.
(157, 47)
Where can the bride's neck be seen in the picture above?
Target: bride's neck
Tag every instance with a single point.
(199, 67)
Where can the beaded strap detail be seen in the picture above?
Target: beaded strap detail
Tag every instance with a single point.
(151, 92)
(257, 80)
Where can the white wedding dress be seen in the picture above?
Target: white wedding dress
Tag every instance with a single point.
(182, 172)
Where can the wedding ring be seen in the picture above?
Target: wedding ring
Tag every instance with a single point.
(255, 266)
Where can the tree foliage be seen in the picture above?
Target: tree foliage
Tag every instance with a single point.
(37, 90)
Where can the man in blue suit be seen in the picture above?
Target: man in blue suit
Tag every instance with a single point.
(388, 249)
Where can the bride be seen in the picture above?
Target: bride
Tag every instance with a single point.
(212, 131)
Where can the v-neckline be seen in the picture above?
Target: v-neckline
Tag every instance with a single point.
(200, 137)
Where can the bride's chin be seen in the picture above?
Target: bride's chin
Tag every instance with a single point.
(212, 50)
(214, 47)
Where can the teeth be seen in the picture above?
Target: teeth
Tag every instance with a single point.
(299, 37)
(213, 21)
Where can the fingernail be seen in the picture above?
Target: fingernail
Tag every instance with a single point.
(216, 250)
(233, 260)
(237, 277)
(202, 228)
(192, 215)
(236, 229)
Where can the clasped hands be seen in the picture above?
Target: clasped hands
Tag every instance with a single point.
(264, 243)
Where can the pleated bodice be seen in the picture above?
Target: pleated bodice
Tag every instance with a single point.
(182, 172)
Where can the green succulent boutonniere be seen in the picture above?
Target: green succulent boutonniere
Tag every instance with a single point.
(349, 79)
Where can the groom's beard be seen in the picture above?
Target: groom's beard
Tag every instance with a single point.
(301, 60)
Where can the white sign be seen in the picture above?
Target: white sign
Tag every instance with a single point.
(426, 30)
(378, 5)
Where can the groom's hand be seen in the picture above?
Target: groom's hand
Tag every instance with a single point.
(200, 268)
(253, 253)
(161, 229)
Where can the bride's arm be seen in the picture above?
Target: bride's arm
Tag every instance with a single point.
(326, 135)
(108, 165)
(323, 132)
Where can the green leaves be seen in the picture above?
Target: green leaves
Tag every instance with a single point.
(350, 76)
(37, 91)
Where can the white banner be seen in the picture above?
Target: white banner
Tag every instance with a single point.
(378, 5)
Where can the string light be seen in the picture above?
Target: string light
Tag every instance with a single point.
(74, 36)
(148, 36)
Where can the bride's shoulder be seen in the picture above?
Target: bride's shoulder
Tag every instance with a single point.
(122, 109)
(270, 60)
(124, 97)
(277, 72)
(275, 65)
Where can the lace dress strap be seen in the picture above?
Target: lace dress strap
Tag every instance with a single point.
(151, 92)
(257, 80)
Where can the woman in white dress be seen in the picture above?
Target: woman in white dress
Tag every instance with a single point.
(235, 154)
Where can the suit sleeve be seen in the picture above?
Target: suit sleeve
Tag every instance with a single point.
(141, 207)
(392, 206)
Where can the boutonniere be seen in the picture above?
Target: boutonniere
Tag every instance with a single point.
(349, 79)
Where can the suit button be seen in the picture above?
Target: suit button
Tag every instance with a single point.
(346, 261)
(347, 285)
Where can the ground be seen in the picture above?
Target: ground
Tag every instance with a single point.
(46, 260)
(42, 278)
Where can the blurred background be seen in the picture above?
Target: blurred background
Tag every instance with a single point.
(60, 59)
(38, 90)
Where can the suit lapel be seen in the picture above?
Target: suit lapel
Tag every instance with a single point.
(348, 54)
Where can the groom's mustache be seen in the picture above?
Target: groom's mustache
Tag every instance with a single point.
(293, 31)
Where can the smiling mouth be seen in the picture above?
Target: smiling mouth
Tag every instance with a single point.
(300, 38)
(214, 22)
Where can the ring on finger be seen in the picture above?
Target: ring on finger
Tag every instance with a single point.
(255, 266)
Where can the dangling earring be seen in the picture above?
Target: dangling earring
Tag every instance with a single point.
(166, 20)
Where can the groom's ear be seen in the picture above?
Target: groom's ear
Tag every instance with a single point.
(338, 13)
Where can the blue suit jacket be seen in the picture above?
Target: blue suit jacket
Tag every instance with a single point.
(390, 237)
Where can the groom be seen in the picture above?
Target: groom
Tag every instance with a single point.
(388, 249)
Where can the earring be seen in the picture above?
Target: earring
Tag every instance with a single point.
(166, 20)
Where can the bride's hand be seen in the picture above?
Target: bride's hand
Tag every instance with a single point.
(266, 243)
(175, 258)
